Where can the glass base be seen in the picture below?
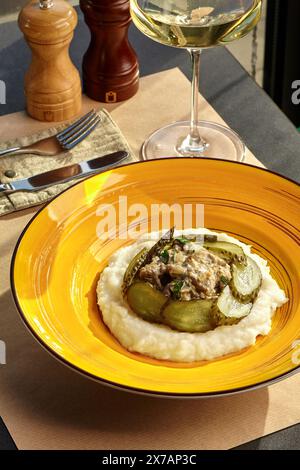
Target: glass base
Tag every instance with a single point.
(171, 141)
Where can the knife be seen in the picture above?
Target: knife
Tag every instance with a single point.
(64, 174)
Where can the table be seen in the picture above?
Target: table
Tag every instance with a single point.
(225, 84)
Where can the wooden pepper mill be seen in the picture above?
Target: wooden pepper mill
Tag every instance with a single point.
(110, 66)
(52, 83)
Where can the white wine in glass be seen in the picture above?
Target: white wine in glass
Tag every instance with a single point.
(195, 25)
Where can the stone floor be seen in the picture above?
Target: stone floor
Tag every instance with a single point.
(241, 49)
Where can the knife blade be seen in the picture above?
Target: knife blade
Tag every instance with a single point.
(64, 174)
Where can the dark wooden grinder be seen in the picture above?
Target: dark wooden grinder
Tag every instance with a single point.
(110, 66)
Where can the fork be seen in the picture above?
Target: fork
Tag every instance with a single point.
(64, 140)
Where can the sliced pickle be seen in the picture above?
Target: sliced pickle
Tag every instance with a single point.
(228, 251)
(146, 301)
(209, 238)
(193, 316)
(134, 266)
(144, 257)
(228, 310)
(246, 281)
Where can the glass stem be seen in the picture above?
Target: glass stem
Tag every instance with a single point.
(195, 56)
(194, 144)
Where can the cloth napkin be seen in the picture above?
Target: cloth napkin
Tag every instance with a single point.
(107, 138)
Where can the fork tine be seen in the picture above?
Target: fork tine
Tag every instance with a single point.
(80, 130)
(79, 137)
(74, 125)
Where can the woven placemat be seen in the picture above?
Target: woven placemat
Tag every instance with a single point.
(105, 139)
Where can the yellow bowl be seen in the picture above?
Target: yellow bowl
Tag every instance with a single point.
(59, 256)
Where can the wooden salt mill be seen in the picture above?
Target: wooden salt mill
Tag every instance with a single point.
(110, 66)
(52, 83)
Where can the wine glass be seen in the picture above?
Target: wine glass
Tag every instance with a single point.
(195, 25)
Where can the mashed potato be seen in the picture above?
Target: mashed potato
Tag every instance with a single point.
(161, 342)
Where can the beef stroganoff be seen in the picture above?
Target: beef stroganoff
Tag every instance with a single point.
(188, 296)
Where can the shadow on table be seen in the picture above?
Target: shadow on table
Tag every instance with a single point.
(62, 409)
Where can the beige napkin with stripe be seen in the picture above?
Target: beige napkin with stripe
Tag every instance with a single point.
(105, 139)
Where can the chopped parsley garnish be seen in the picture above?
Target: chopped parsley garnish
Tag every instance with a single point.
(224, 280)
(176, 289)
(164, 256)
(184, 240)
